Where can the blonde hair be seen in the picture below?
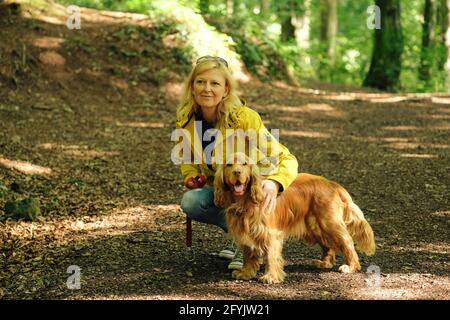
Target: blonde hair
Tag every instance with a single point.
(226, 107)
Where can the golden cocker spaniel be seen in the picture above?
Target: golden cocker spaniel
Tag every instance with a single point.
(312, 209)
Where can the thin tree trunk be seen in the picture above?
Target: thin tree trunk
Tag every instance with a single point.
(328, 32)
(285, 14)
(447, 43)
(302, 24)
(385, 67)
(442, 24)
(332, 30)
(230, 8)
(329, 27)
(287, 28)
(265, 8)
(427, 41)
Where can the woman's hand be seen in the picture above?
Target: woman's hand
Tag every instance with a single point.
(270, 189)
(197, 182)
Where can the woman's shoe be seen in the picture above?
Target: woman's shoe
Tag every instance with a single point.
(238, 261)
(229, 251)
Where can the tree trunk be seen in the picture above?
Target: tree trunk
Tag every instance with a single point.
(328, 32)
(302, 24)
(287, 29)
(385, 67)
(332, 30)
(442, 24)
(265, 8)
(286, 11)
(329, 28)
(447, 44)
(426, 51)
(230, 8)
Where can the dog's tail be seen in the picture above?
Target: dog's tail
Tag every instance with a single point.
(357, 225)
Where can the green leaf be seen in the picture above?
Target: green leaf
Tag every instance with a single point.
(26, 209)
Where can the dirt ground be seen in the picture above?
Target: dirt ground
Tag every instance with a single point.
(85, 128)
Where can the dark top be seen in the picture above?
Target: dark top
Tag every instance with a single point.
(201, 129)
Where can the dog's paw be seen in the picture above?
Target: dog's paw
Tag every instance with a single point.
(321, 264)
(349, 268)
(345, 269)
(270, 279)
(240, 275)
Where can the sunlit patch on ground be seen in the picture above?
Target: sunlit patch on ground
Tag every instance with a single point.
(418, 155)
(445, 214)
(119, 83)
(443, 127)
(386, 139)
(115, 222)
(436, 117)
(388, 99)
(78, 151)
(25, 167)
(305, 134)
(393, 287)
(388, 294)
(322, 109)
(173, 89)
(441, 100)
(52, 58)
(445, 110)
(48, 42)
(410, 145)
(339, 97)
(151, 125)
(432, 248)
(402, 128)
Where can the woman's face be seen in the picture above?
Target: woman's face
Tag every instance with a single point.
(209, 88)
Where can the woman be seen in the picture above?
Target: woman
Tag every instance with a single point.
(209, 109)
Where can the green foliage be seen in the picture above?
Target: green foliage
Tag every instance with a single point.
(412, 16)
(255, 36)
(259, 45)
(194, 36)
(26, 209)
(3, 190)
(354, 43)
(182, 57)
(249, 52)
(80, 184)
(412, 19)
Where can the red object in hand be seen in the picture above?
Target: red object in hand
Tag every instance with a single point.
(191, 183)
(201, 180)
(197, 182)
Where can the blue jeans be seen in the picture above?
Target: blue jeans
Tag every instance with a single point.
(198, 204)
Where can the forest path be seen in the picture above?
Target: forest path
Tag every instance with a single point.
(90, 138)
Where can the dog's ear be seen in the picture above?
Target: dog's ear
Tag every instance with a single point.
(220, 193)
(256, 185)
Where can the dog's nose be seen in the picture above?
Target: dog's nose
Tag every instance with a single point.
(237, 172)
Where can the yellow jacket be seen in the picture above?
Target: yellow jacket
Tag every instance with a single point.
(284, 165)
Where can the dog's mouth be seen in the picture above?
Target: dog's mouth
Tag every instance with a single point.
(239, 188)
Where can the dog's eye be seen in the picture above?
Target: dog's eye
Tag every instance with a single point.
(245, 163)
(228, 164)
